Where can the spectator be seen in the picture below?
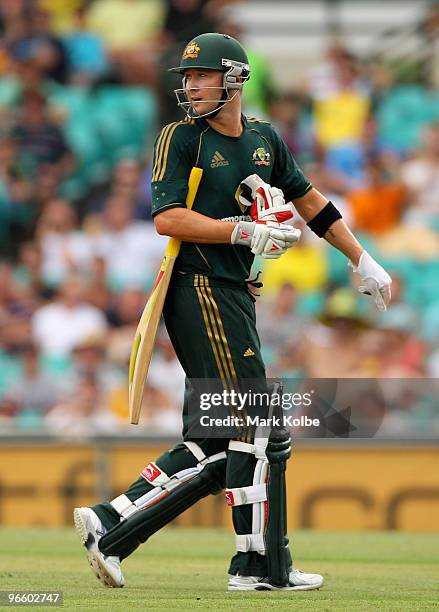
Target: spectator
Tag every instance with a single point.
(399, 353)
(166, 374)
(421, 177)
(85, 52)
(35, 391)
(283, 336)
(82, 415)
(378, 205)
(287, 114)
(64, 247)
(137, 22)
(185, 19)
(40, 142)
(27, 272)
(341, 111)
(16, 214)
(123, 317)
(134, 43)
(58, 326)
(129, 181)
(98, 293)
(15, 310)
(132, 249)
(329, 347)
(89, 358)
(35, 43)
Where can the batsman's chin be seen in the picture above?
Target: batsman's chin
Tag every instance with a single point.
(197, 105)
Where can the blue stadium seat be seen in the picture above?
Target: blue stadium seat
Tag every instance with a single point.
(402, 115)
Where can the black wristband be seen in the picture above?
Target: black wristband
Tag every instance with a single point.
(324, 219)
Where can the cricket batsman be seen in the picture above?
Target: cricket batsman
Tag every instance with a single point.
(244, 198)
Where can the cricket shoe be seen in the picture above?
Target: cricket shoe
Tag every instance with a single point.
(298, 581)
(90, 529)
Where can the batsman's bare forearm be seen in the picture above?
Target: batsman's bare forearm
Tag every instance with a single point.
(338, 235)
(191, 226)
(341, 237)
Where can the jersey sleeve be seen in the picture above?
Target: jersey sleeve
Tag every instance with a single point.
(172, 164)
(286, 173)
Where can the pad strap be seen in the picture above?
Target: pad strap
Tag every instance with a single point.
(258, 450)
(246, 495)
(195, 450)
(123, 505)
(250, 541)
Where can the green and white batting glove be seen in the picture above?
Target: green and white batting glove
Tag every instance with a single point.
(266, 238)
(375, 280)
(266, 203)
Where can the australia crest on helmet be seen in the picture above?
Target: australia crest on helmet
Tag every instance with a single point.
(191, 50)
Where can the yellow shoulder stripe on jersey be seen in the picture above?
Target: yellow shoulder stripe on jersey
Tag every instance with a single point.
(162, 148)
(159, 148)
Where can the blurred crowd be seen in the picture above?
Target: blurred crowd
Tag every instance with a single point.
(81, 102)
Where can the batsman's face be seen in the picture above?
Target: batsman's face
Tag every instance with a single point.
(203, 89)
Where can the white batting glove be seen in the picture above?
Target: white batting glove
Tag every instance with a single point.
(266, 203)
(375, 280)
(269, 239)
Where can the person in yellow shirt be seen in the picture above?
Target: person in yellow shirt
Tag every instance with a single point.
(138, 21)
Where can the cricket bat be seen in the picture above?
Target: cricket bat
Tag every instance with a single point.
(144, 340)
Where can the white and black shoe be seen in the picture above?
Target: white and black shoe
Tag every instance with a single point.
(90, 529)
(298, 581)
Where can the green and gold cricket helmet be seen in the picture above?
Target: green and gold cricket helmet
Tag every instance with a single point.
(214, 51)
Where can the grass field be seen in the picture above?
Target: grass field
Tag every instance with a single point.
(185, 569)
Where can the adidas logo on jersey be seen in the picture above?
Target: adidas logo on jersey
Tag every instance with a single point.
(249, 353)
(218, 160)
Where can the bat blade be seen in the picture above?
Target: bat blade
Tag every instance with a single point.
(144, 340)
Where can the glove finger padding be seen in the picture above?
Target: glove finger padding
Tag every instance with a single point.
(280, 240)
(289, 235)
(272, 254)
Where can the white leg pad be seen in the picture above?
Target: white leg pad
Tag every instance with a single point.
(246, 495)
(251, 541)
(259, 510)
(255, 494)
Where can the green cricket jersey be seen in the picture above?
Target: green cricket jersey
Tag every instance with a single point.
(226, 161)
